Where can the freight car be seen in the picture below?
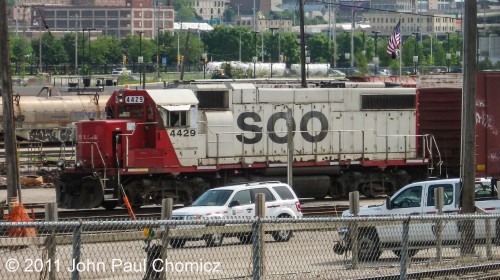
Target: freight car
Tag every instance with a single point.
(51, 118)
(178, 142)
(440, 114)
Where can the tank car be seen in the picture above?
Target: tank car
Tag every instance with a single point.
(179, 142)
(52, 118)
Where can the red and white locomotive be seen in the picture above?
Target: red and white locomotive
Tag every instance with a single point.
(179, 142)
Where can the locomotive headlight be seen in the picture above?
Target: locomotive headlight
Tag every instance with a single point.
(79, 164)
(61, 164)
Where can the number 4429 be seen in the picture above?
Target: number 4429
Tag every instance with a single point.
(182, 133)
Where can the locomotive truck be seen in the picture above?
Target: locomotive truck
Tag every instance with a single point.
(179, 142)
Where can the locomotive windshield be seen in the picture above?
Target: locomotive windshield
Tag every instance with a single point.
(131, 112)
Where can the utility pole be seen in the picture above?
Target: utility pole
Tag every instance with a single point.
(184, 56)
(302, 46)
(468, 149)
(12, 161)
(375, 58)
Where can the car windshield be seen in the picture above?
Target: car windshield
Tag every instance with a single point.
(213, 198)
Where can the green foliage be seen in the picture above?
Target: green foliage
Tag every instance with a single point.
(185, 14)
(178, 4)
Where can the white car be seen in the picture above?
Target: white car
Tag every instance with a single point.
(238, 201)
(121, 71)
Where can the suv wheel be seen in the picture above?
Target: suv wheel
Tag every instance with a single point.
(214, 240)
(282, 235)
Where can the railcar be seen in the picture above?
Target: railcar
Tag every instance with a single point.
(51, 119)
(179, 142)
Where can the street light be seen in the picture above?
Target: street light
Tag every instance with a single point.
(375, 58)
(255, 57)
(76, 45)
(430, 36)
(178, 52)
(347, 56)
(448, 54)
(271, 50)
(140, 60)
(415, 57)
(90, 52)
(204, 57)
(158, 53)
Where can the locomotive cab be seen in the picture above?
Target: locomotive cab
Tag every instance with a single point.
(133, 140)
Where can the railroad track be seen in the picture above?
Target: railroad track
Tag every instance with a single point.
(35, 210)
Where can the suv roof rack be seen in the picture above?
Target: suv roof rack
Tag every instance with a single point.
(262, 183)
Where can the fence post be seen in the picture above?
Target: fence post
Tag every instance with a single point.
(354, 209)
(438, 204)
(51, 216)
(258, 237)
(167, 205)
(77, 237)
(404, 251)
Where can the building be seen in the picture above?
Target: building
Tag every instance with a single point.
(131, 17)
(211, 9)
(281, 25)
(436, 24)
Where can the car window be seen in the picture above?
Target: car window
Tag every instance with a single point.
(284, 192)
(243, 197)
(213, 198)
(411, 197)
(269, 196)
(447, 194)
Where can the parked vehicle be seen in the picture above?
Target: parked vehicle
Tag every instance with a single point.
(417, 199)
(121, 71)
(238, 201)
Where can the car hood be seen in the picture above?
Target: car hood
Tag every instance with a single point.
(204, 211)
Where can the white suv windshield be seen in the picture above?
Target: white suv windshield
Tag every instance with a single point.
(213, 198)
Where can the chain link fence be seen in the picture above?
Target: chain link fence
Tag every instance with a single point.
(429, 246)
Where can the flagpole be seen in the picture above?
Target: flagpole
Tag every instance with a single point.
(400, 52)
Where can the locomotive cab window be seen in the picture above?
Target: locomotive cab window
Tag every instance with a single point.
(176, 116)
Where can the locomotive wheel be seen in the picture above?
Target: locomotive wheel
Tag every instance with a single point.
(411, 253)
(109, 205)
(372, 189)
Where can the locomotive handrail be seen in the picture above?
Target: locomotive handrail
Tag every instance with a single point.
(92, 155)
(340, 132)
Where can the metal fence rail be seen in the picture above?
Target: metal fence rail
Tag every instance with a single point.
(251, 248)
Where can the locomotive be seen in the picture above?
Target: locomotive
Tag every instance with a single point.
(179, 142)
(51, 119)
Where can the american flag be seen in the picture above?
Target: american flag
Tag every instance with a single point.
(395, 39)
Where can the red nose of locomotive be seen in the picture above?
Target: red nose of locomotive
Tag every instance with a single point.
(97, 142)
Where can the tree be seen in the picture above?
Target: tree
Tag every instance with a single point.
(185, 14)
(178, 4)
(20, 52)
(53, 52)
(320, 48)
(106, 50)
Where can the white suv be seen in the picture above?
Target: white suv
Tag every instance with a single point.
(239, 201)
